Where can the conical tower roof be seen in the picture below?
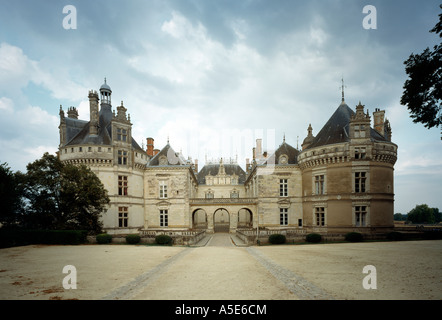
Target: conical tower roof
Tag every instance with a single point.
(336, 130)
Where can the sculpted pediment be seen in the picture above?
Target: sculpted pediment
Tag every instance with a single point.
(284, 203)
(163, 203)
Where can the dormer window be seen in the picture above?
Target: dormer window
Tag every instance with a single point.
(234, 194)
(121, 134)
(209, 194)
(162, 161)
(283, 159)
(359, 131)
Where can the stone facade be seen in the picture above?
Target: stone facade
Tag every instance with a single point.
(341, 180)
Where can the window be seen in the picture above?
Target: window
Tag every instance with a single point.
(122, 217)
(122, 157)
(319, 184)
(360, 153)
(360, 216)
(360, 179)
(234, 194)
(164, 218)
(209, 195)
(320, 216)
(299, 222)
(122, 185)
(283, 216)
(283, 188)
(163, 190)
(359, 131)
(121, 134)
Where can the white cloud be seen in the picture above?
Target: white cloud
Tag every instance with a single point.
(6, 105)
(17, 70)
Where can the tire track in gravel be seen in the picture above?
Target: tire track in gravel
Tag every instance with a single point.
(299, 286)
(130, 289)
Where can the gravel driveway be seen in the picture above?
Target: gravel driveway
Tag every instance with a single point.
(220, 270)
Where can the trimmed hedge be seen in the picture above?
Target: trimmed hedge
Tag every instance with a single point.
(313, 238)
(22, 237)
(354, 237)
(277, 239)
(133, 238)
(163, 239)
(103, 238)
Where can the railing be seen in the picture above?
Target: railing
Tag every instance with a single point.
(249, 235)
(197, 201)
(268, 232)
(178, 236)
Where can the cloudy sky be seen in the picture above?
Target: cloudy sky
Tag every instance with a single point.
(204, 72)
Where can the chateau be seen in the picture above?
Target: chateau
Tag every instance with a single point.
(341, 180)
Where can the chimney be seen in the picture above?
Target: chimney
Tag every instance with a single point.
(378, 117)
(247, 164)
(196, 165)
(72, 113)
(93, 108)
(150, 150)
(155, 152)
(258, 148)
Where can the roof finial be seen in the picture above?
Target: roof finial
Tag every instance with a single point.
(105, 80)
(283, 139)
(342, 88)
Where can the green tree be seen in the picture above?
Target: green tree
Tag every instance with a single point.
(400, 217)
(423, 90)
(437, 215)
(10, 196)
(63, 196)
(421, 214)
(83, 198)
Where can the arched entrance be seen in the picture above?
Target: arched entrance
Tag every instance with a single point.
(245, 218)
(221, 221)
(199, 219)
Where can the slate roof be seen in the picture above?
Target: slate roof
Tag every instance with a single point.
(336, 130)
(174, 158)
(77, 131)
(213, 169)
(284, 148)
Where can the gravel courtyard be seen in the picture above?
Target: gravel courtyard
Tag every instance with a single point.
(220, 270)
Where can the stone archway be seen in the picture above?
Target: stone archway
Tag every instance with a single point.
(221, 220)
(199, 219)
(245, 218)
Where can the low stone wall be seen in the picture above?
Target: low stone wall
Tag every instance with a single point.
(180, 237)
(299, 235)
